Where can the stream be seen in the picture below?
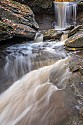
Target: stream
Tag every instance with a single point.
(19, 59)
(35, 76)
(46, 67)
(41, 82)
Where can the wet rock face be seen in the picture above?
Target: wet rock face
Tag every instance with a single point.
(75, 42)
(19, 17)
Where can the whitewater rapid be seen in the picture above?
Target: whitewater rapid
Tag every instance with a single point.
(35, 99)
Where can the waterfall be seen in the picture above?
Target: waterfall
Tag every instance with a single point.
(23, 58)
(74, 13)
(38, 37)
(18, 66)
(64, 37)
(65, 14)
(36, 99)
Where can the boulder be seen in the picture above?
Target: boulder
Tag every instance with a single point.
(51, 34)
(75, 42)
(19, 17)
(39, 6)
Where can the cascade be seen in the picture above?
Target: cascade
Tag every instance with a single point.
(65, 14)
(23, 58)
(32, 99)
(39, 73)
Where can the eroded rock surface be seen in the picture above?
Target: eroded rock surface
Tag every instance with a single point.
(5, 31)
(19, 17)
